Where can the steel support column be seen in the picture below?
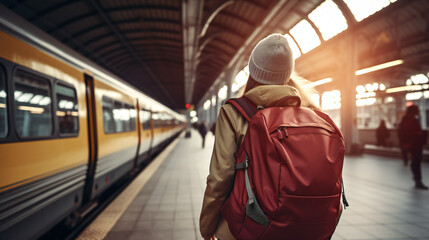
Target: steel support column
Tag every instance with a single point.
(348, 84)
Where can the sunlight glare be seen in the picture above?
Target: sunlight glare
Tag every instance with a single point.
(305, 35)
(362, 9)
(329, 19)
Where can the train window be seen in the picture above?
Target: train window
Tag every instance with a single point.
(3, 105)
(160, 120)
(156, 120)
(133, 114)
(145, 119)
(118, 116)
(67, 112)
(108, 122)
(32, 105)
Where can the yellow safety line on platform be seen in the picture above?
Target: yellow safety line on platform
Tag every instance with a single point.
(102, 225)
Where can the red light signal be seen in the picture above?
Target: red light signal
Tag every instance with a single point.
(188, 105)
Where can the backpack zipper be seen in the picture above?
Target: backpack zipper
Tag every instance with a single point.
(282, 133)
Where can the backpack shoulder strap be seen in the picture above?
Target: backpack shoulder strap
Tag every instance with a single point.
(244, 106)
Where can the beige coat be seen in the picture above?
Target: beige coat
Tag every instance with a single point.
(231, 127)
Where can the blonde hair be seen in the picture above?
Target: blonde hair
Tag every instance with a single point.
(296, 82)
(306, 92)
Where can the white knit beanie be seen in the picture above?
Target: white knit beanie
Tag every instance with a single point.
(271, 61)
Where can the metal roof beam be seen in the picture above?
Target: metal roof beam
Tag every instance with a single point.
(119, 57)
(128, 21)
(191, 17)
(345, 10)
(114, 10)
(113, 52)
(119, 35)
(99, 38)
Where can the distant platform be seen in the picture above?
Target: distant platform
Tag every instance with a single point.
(392, 152)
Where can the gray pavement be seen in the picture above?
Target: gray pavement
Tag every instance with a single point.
(383, 203)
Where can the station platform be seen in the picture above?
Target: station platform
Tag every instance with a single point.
(164, 201)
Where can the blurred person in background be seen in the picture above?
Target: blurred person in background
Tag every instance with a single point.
(202, 128)
(381, 134)
(412, 138)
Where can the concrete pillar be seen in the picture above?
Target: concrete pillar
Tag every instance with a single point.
(423, 111)
(348, 84)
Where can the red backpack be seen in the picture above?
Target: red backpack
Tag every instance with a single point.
(288, 181)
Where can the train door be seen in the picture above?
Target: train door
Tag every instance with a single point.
(92, 137)
(139, 134)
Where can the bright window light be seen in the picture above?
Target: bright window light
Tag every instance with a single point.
(331, 100)
(207, 104)
(419, 79)
(121, 114)
(241, 79)
(62, 103)
(234, 87)
(295, 50)
(365, 102)
(413, 96)
(69, 105)
(223, 92)
(36, 99)
(2, 94)
(25, 97)
(305, 35)
(369, 87)
(360, 89)
(409, 82)
(194, 119)
(45, 101)
(213, 100)
(329, 19)
(133, 112)
(17, 94)
(362, 9)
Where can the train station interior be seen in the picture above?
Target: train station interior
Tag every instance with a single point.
(102, 103)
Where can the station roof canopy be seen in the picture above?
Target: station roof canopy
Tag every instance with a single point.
(174, 51)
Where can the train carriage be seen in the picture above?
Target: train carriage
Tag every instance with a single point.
(69, 130)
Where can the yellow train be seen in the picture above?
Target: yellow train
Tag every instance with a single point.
(68, 130)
